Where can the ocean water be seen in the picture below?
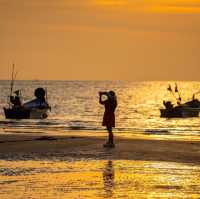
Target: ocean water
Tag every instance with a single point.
(75, 106)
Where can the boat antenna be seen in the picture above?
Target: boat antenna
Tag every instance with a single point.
(179, 95)
(178, 100)
(46, 94)
(13, 77)
(171, 91)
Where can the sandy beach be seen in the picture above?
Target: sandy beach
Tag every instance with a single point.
(68, 146)
(75, 165)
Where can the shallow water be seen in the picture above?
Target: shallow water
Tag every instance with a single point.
(75, 107)
(98, 179)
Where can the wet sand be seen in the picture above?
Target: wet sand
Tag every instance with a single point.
(33, 146)
(70, 166)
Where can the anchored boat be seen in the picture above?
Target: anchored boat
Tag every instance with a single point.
(20, 113)
(181, 110)
(37, 108)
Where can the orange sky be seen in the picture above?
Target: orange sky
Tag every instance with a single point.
(100, 39)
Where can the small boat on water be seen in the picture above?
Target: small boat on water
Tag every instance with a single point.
(37, 108)
(34, 109)
(181, 110)
(20, 113)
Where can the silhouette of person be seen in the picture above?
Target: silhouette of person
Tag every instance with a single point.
(108, 179)
(110, 105)
(15, 100)
(40, 94)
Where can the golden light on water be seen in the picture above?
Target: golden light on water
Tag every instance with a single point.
(98, 180)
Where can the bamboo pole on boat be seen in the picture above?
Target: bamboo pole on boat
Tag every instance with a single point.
(13, 77)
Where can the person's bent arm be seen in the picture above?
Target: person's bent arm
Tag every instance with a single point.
(100, 97)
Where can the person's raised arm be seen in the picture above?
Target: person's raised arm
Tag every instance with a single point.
(100, 97)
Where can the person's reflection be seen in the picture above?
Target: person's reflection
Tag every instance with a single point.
(108, 178)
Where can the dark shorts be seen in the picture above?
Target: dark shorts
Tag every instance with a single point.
(109, 119)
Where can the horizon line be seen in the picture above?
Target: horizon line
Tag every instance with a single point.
(100, 80)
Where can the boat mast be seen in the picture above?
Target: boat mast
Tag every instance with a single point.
(13, 77)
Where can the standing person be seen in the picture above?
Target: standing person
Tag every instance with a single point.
(110, 105)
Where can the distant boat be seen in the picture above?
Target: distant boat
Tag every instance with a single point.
(34, 109)
(181, 110)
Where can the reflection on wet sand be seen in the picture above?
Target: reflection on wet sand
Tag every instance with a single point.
(98, 179)
(108, 179)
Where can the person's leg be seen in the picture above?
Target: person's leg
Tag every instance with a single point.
(109, 143)
(110, 135)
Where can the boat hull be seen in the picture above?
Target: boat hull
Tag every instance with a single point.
(179, 112)
(19, 113)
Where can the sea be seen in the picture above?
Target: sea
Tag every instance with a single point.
(75, 110)
(75, 107)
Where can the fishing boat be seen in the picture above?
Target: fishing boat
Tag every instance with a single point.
(21, 113)
(181, 110)
(37, 108)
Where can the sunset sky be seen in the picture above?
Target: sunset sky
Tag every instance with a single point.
(100, 39)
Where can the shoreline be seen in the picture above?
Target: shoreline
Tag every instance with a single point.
(66, 147)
